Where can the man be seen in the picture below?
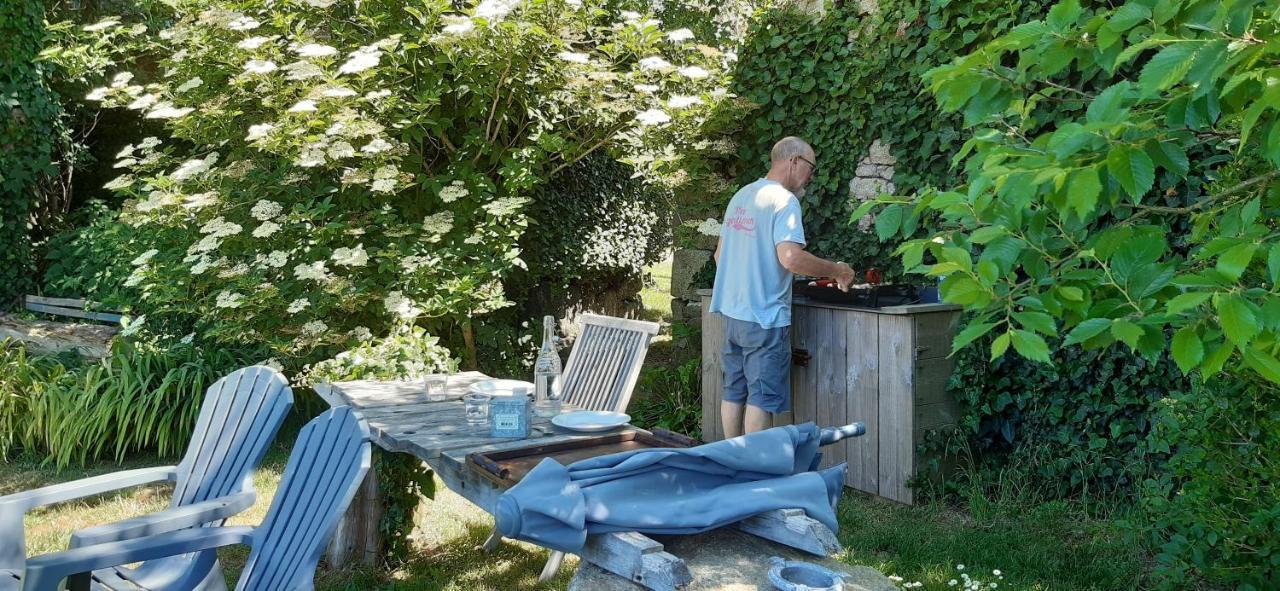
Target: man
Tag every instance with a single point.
(761, 248)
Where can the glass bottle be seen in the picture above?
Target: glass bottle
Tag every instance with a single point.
(546, 373)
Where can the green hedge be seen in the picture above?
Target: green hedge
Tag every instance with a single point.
(850, 78)
(1078, 428)
(29, 132)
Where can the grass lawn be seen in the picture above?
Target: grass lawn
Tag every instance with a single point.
(1046, 547)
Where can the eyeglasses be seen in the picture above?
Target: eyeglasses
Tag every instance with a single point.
(813, 166)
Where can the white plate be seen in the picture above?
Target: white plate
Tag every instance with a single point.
(589, 421)
(500, 387)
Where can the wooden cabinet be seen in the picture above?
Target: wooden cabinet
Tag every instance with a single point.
(886, 368)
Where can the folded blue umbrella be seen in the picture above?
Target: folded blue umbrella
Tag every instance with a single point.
(672, 490)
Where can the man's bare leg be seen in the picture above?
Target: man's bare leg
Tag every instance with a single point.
(731, 419)
(757, 419)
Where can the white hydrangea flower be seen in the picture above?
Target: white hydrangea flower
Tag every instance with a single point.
(194, 167)
(647, 88)
(709, 227)
(316, 271)
(277, 259)
(361, 333)
(235, 271)
(458, 25)
(630, 16)
(266, 229)
(244, 23)
(653, 117)
(124, 163)
(229, 299)
(200, 200)
(377, 95)
(298, 305)
(396, 303)
(694, 72)
(148, 142)
(383, 186)
(259, 131)
(266, 209)
(260, 66)
(495, 10)
(338, 92)
(412, 263)
(378, 145)
(253, 43)
(453, 192)
(310, 158)
(654, 62)
(438, 224)
(97, 94)
(316, 50)
(303, 106)
(321, 3)
(144, 257)
(680, 35)
(680, 101)
(302, 70)
(314, 328)
(360, 60)
(574, 57)
(350, 257)
(340, 150)
(505, 206)
(219, 227)
(166, 110)
(188, 339)
(121, 79)
(142, 102)
(646, 24)
(102, 25)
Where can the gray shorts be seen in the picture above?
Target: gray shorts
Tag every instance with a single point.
(757, 365)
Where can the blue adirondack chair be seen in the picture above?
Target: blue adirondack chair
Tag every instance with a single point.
(328, 463)
(238, 421)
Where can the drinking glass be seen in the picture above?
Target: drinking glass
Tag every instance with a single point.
(436, 386)
(476, 409)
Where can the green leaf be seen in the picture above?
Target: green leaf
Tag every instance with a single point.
(1133, 169)
(1263, 363)
(1170, 156)
(863, 209)
(1064, 14)
(1237, 320)
(1030, 345)
(1069, 139)
(1086, 330)
(1235, 260)
(1273, 263)
(1108, 106)
(888, 222)
(999, 345)
(963, 290)
(1037, 321)
(1126, 332)
(1214, 361)
(1083, 188)
(1071, 294)
(970, 333)
(1168, 67)
(1128, 15)
(1187, 301)
(986, 234)
(1188, 351)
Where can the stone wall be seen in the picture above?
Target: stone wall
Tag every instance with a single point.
(873, 176)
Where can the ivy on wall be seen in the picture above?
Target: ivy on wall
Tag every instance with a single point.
(29, 119)
(848, 78)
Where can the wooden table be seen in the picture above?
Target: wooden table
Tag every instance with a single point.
(402, 420)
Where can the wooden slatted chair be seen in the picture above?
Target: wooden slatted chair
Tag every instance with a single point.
(601, 374)
(238, 421)
(605, 362)
(330, 458)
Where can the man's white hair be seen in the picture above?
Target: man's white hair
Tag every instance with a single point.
(787, 148)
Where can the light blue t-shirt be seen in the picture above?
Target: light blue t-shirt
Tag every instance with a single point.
(751, 285)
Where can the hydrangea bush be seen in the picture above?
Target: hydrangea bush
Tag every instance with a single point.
(337, 166)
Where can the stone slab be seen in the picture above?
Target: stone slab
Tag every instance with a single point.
(686, 263)
(729, 560)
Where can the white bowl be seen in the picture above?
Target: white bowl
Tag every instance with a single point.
(500, 387)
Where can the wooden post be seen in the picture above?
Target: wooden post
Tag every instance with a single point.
(357, 539)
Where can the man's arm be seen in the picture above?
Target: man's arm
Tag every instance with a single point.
(719, 243)
(794, 258)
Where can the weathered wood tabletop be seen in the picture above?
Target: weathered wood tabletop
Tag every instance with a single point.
(401, 419)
